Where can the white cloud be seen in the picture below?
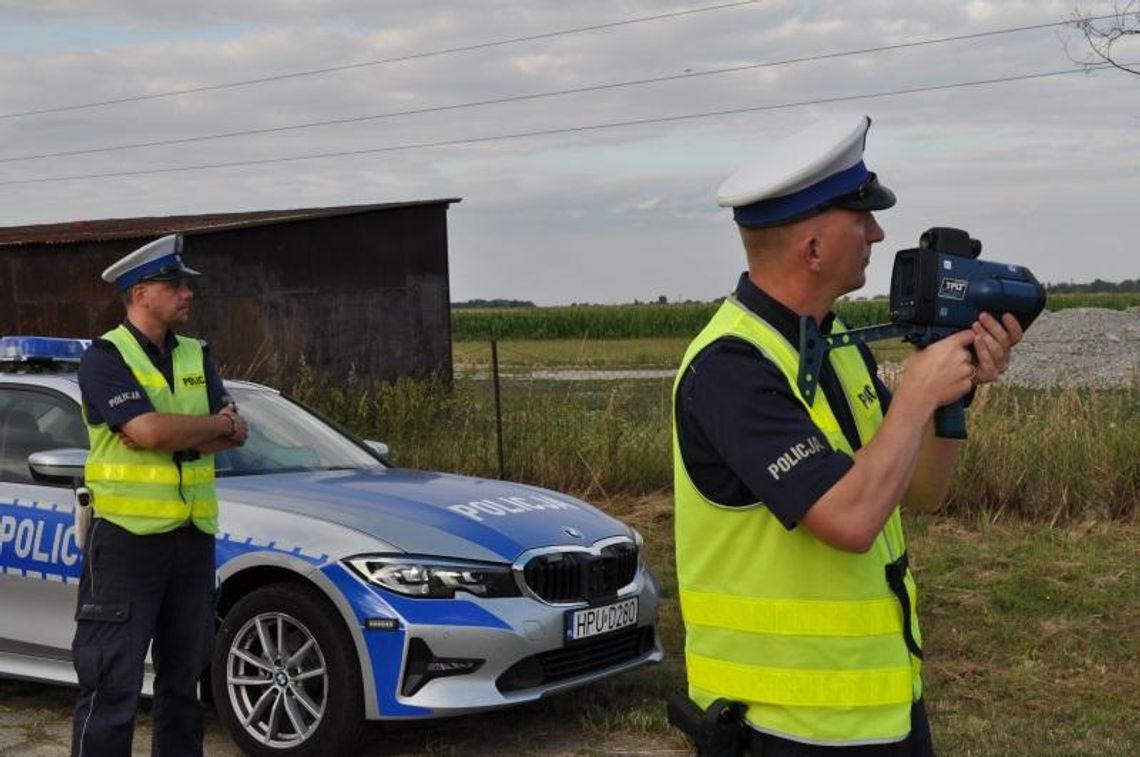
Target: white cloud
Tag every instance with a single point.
(980, 10)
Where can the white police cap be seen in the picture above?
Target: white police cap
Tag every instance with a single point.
(818, 168)
(161, 260)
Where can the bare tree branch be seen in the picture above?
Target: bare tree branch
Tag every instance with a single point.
(1101, 35)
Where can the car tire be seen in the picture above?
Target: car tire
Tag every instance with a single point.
(285, 675)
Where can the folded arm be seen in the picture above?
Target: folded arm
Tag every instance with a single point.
(169, 431)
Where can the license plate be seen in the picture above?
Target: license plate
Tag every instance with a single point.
(595, 621)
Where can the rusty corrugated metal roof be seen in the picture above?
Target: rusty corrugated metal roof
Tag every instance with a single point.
(156, 226)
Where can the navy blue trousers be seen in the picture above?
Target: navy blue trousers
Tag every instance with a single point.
(140, 592)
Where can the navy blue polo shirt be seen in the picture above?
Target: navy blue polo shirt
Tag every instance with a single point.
(110, 391)
(743, 434)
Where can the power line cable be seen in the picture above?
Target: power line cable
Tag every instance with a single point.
(381, 61)
(563, 130)
(532, 96)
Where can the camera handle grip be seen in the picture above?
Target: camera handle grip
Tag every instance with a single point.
(950, 421)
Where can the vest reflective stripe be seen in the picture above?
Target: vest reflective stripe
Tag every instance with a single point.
(809, 637)
(113, 508)
(807, 688)
(145, 491)
(149, 474)
(796, 617)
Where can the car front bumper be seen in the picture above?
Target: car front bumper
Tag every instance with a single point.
(433, 658)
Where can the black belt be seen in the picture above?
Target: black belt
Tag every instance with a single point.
(896, 573)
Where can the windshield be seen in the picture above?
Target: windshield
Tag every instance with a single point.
(283, 436)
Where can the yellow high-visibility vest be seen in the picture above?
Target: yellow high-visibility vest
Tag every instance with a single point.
(809, 637)
(145, 491)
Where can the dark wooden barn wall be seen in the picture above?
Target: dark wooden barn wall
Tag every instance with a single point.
(366, 291)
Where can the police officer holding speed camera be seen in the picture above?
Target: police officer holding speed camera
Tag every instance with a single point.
(156, 412)
(791, 559)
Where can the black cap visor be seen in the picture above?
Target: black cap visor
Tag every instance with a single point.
(170, 273)
(871, 196)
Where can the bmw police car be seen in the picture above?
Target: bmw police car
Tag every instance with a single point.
(348, 589)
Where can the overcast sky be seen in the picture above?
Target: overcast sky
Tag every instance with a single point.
(1045, 171)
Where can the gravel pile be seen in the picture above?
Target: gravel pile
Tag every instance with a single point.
(1092, 347)
(1079, 347)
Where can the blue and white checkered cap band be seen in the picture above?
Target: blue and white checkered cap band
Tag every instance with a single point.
(774, 210)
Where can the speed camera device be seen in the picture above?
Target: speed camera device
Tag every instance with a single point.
(937, 289)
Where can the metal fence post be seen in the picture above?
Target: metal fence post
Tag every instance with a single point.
(498, 405)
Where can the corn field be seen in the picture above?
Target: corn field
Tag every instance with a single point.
(678, 320)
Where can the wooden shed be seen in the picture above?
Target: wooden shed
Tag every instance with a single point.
(361, 287)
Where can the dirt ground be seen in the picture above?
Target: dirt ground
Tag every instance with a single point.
(35, 721)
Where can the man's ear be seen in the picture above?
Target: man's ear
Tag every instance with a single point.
(131, 296)
(809, 251)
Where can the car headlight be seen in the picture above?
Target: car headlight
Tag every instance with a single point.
(436, 577)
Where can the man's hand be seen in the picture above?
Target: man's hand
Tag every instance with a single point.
(941, 373)
(993, 341)
(240, 430)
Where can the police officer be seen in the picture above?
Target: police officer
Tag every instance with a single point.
(791, 558)
(155, 412)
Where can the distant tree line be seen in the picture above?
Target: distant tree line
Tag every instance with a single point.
(1096, 285)
(493, 304)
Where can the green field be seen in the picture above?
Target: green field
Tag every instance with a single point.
(675, 320)
(517, 355)
(523, 356)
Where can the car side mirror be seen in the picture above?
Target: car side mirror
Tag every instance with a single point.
(58, 466)
(380, 448)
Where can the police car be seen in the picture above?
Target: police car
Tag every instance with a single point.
(349, 589)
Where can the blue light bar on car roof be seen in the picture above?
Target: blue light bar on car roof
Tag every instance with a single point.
(24, 349)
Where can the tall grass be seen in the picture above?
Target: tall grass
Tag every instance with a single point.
(592, 439)
(1056, 454)
(682, 319)
(1051, 455)
(426, 424)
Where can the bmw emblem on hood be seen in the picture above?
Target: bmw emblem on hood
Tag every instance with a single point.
(572, 532)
